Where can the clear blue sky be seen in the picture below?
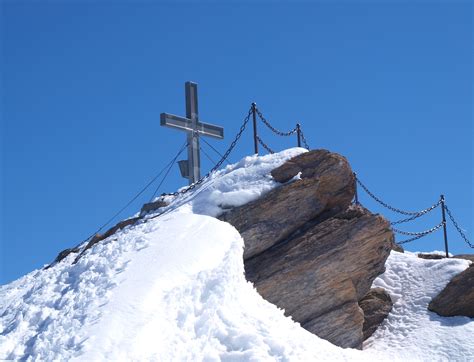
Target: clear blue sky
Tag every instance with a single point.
(389, 86)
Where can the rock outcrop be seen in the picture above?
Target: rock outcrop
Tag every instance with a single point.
(457, 298)
(311, 252)
(325, 188)
(376, 305)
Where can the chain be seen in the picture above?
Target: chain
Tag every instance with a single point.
(265, 145)
(417, 235)
(411, 239)
(273, 129)
(220, 162)
(458, 228)
(304, 139)
(409, 213)
(429, 231)
(416, 216)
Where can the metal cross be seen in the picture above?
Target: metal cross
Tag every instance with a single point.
(191, 168)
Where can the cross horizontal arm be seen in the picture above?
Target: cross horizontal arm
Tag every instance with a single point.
(210, 130)
(170, 120)
(185, 124)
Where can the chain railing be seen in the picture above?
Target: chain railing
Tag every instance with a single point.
(459, 230)
(417, 235)
(303, 138)
(394, 209)
(264, 145)
(258, 140)
(413, 215)
(416, 216)
(273, 129)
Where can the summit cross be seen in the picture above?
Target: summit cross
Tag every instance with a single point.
(191, 168)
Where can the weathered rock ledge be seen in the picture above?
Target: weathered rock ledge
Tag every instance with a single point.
(311, 252)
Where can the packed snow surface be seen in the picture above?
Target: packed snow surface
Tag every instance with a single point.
(173, 288)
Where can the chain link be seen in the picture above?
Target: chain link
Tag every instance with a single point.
(265, 145)
(273, 129)
(220, 162)
(408, 213)
(458, 228)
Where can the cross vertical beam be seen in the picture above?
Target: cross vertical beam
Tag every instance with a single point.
(194, 159)
(191, 168)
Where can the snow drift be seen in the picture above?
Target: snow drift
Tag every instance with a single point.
(173, 288)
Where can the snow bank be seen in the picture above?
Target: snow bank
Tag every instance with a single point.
(173, 288)
(155, 291)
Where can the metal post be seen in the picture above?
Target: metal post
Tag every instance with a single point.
(356, 195)
(254, 113)
(444, 226)
(298, 133)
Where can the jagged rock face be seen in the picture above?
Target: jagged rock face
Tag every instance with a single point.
(321, 274)
(311, 252)
(457, 298)
(376, 305)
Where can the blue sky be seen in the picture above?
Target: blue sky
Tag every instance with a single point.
(389, 86)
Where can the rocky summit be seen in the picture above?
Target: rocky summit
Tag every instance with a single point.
(310, 251)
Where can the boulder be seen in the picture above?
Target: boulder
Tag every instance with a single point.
(457, 298)
(325, 188)
(376, 305)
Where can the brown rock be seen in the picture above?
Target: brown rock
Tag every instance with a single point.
(397, 247)
(332, 325)
(321, 272)
(62, 255)
(431, 256)
(326, 188)
(457, 298)
(376, 305)
(99, 237)
(152, 206)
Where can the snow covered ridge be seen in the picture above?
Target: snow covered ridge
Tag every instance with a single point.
(173, 288)
(236, 184)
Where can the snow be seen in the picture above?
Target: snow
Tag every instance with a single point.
(411, 331)
(173, 288)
